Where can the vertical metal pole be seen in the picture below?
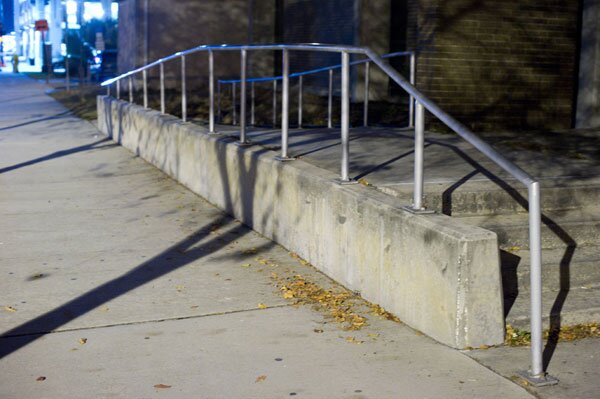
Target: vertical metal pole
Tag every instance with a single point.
(162, 88)
(252, 100)
(211, 93)
(130, 88)
(118, 89)
(243, 70)
(145, 78)
(330, 100)
(108, 90)
(366, 101)
(233, 101)
(418, 168)
(535, 248)
(345, 117)
(411, 104)
(68, 74)
(183, 91)
(285, 102)
(274, 103)
(300, 101)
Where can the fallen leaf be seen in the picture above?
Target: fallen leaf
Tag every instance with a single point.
(10, 309)
(353, 340)
(246, 265)
(41, 378)
(318, 330)
(288, 294)
(262, 306)
(179, 288)
(261, 378)
(82, 341)
(162, 386)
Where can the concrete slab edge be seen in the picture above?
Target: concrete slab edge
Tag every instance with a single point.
(436, 274)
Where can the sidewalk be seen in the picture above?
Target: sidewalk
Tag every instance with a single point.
(118, 282)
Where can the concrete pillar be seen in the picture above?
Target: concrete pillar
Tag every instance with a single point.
(56, 32)
(17, 19)
(588, 98)
(106, 5)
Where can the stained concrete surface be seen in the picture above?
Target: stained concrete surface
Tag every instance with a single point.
(115, 279)
(154, 280)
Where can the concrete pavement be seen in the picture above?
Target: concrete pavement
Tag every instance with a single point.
(119, 282)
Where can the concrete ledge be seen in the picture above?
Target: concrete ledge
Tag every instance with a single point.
(436, 274)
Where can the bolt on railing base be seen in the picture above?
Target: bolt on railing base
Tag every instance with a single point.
(284, 159)
(417, 211)
(540, 380)
(215, 133)
(345, 182)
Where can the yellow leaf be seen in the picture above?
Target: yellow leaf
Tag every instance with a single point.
(10, 309)
(179, 288)
(261, 378)
(246, 265)
(162, 386)
(82, 341)
(262, 306)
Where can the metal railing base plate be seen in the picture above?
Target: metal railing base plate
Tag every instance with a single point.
(538, 380)
(243, 143)
(284, 159)
(345, 182)
(422, 211)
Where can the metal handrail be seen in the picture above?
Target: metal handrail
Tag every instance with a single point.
(537, 373)
(300, 75)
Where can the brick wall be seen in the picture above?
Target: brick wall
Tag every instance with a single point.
(498, 64)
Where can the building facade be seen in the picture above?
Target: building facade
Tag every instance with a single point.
(493, 64)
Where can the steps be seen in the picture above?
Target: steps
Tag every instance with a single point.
(570, 241)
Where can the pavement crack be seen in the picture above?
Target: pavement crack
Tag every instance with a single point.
(133, 323)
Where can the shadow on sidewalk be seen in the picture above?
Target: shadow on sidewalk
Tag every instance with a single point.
(173, 258)
(46, 118)
(59, 154)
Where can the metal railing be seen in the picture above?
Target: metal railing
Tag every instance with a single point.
(300, 75)
(536, 374)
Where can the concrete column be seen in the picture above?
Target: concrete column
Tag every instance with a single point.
(106, 4)
(56, 32)
(588, 99)
(17, 22)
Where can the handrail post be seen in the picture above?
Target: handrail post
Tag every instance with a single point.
(535, 247)
(536, 375)
(418, 167)
(183, 91)
(274, 103)
(119, 89)
(233, 101)
(145, 78)
(300, 101)
(211, 92)
(130, 88)
(285, 104)
(411, 104)
(366, 100)
(243, 72)
(330, 100)
(68, 75)
(219, 115)
(162, 88)
(252, 100)
(345, 120)
(108, 90)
